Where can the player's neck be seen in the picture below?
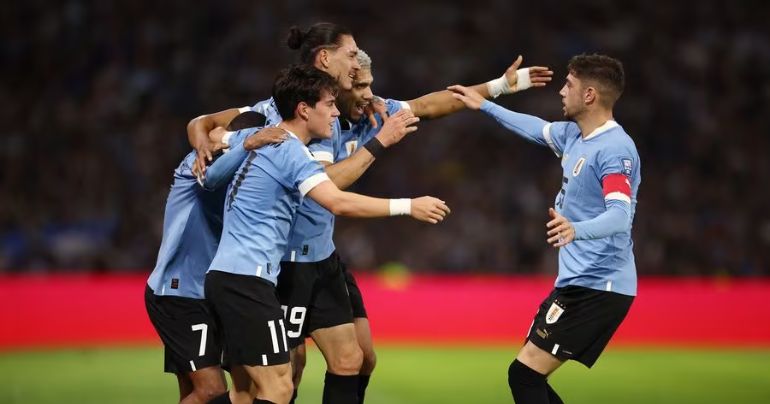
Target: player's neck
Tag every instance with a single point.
(298, 127)
(592, 120)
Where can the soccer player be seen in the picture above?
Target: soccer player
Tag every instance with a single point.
(332, 49)
(259, 212)
(356, 131)
(590, 224)
(174, 294)
(312, 282)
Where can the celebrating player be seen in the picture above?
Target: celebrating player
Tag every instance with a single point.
(259, 212)
(590, 224)
(174, 295)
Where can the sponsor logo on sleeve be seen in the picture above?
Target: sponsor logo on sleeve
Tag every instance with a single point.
(627, 166)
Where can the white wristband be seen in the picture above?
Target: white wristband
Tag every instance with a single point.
(226, 138)
(498, 86)
(522, 79)
(400, 207)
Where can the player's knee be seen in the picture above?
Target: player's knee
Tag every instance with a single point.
(369, 362)
(284, 388)
(521, 376)
(209, 391)
(348, 362)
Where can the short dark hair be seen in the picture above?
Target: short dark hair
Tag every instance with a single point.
(300, 83)
(606, 73)
(322, 35)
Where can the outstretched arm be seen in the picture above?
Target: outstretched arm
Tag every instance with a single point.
(198, 135)
(341, 203)
(442, 103)
(527, 126)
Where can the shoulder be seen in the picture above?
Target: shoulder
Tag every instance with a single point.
(269, 110)
(619, 142)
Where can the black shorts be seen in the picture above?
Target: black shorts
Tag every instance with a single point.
(356, 297)
(250, 317)
(188, 330)
(313, 295)
(576, 323)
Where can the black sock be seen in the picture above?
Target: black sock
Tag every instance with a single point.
(527, 386)
(553, 398)
(363, 382)
(293, 397)
(221, 399)
(340, 389)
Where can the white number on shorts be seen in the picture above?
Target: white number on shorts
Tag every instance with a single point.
(205, 329)
(296, 317)
(274, 335)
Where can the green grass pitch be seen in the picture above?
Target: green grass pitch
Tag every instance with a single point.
(409, 374)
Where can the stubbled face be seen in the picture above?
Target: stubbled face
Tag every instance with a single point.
(352, 102)
(572, 95)
(342, 62)
(321, 117)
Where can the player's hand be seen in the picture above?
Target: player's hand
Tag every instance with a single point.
(204, 151)
(376, 106)
(560, 230)
(396, 127)
(266, 136)
(470, 97)
(429, 209)
(539, 76)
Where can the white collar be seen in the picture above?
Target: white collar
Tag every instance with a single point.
(598, 131)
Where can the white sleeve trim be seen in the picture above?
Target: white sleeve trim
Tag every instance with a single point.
(244, 109)
(618, 196)
(226, 137)
(405, 105)
(549, 140)
(323, 156)
(311, 182)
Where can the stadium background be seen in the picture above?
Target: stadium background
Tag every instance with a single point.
(95, 97)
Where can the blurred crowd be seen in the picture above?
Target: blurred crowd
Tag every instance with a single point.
(96, 95)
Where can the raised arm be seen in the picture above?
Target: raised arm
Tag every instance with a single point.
(442, 103)
(198, 135)
(527, 126)
(349, 170)
(222, 170)
(341, 203)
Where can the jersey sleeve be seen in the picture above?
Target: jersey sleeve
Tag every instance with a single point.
(222, 170)
(307, 172)
(292, 165)
(536, 130)
(616, 166)
(392, 106)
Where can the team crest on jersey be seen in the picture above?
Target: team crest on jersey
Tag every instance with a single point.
(578, 166)
(351, 146)
(627, 166)
(553, 313)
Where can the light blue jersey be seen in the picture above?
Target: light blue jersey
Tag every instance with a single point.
(310, 239)
(261, 206)
(601, 177)
(356, 134)
(192, 223)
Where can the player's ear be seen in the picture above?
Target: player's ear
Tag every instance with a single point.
(590, 95)
(322, 57)
(302, 111)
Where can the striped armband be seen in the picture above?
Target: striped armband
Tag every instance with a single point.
(616, 187)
